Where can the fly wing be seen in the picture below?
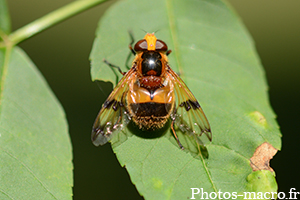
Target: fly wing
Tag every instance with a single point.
(188, 114)
(113, 116)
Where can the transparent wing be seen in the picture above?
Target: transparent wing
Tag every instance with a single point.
(188, 114)
(113, 116)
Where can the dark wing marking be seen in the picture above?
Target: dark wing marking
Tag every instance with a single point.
(188, 114)
(113, 116)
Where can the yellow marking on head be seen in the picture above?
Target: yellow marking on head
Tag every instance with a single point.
(151, 41)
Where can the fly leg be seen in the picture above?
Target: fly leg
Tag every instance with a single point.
(131, 43)
(127, 60)
(112, 66)
(131, 49)
(175, 135)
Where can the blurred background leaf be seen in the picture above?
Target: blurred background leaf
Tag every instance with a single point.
(216, 58)
(4, 17)
(274, 27)
(35, 148)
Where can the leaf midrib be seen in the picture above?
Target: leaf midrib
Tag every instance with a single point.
(3, 73)
(175, 40)
(174, 37)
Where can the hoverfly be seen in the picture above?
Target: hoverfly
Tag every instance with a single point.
(150, 94)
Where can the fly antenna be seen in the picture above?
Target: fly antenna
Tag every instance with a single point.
(156, 31)
(144, 31)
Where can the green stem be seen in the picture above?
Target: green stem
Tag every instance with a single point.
(51, 19)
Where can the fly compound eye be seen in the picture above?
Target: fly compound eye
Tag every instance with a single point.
(141, 45)
(161, 46)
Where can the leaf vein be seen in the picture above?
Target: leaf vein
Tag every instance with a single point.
(243, 119)
(208, 174)
(172, 24)
(29, 170)
(148, 154)
(224, 57)
(184, 20)
(2, 191)
(227, 90)
(4, 71)
(179, 173)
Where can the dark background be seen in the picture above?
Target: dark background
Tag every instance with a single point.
(61, 53)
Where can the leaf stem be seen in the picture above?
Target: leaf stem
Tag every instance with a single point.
(51, 19)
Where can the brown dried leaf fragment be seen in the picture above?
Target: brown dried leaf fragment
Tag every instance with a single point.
(262, 156)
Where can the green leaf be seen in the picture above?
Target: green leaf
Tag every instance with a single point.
(4, 18)
(35, 148)
(262, 182)
(216, 58)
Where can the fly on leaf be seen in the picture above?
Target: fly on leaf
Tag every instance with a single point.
(150, 94)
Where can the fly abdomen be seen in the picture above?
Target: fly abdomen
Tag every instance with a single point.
(150, 115)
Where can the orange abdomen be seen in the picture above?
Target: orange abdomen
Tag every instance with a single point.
(150, 110)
